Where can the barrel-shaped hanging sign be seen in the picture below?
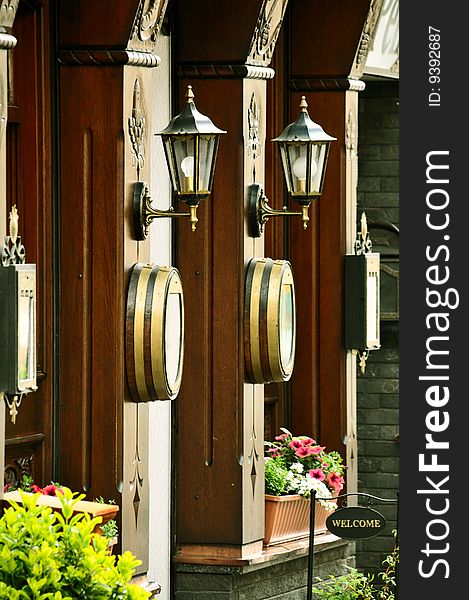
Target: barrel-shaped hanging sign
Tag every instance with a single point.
(154, 333)
(269, 321)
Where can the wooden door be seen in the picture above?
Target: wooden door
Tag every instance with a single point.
(29, 441)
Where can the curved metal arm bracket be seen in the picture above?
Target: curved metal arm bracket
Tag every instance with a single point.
(259, 211)
(144, 213)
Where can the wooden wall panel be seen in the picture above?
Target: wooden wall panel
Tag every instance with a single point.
(102, 440)
(211, 265)
(29, 186)
(320, 382)
(227, 37)
(107, 23)
(304, 254)
(326, 67)
(92, 280)
(326, 37)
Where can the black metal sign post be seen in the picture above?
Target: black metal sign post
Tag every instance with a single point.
(312, 515)
(355, 522)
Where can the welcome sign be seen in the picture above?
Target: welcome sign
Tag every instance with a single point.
(355, 522)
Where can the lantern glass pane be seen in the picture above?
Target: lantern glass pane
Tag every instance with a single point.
(303, 166)
(173, 337)
(286, 324)
(286, 166)
(207, 154)
(170, 161)
(318, 159)
(25, 336)
(371, 309)
(26, 319)
(299, 162)
(185, 158)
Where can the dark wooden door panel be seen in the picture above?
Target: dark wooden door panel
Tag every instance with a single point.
(29, 440)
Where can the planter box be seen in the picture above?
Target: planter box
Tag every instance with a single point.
(94, 509)
(287, 518)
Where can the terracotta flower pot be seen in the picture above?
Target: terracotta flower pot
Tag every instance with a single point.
(287, 518)
(112, 542)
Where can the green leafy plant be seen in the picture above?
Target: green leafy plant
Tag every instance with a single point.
(26, 483)
(298, 465)
(275, 477)
(356, 585)
(388, 576)
(54, 555)
(110, 529)
(351, 586)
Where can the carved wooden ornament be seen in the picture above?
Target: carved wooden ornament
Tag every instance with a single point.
(147, 24)
(266, 32)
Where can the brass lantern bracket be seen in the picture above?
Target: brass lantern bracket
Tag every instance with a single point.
(259, 211)
(363, 243)
(144, 213)
(190, 142)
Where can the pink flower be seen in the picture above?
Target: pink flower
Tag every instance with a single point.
(317, 474)
(304, 451)
(295, 444)
(317, 449)
(281, 438)
(336, 481)
(274, 452)
(307, 441)
(49, 490)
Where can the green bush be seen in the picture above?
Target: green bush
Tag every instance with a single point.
(54, 555)
(275, 477)
(355, 585)
(110, 529)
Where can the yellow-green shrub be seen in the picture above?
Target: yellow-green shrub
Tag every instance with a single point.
(54, 555)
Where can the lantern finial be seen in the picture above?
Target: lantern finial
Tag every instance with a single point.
(303, 104)
(189, 94)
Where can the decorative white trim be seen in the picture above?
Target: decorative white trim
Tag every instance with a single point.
(7, 41)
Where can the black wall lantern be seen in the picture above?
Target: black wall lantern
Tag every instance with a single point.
(190, 143)
(362, 297)
(304, 150)
(17, 321)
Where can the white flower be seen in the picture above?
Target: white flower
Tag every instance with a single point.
(322, 493)
(297, 468)
(302, 483)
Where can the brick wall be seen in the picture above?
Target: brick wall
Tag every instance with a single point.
(378, 388)
(378, 152)
(282, 578)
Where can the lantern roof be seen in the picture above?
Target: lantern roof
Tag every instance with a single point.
(304, 129)
(190, 121)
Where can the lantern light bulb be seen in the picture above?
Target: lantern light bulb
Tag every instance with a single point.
(187, 166)
(299, 167)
